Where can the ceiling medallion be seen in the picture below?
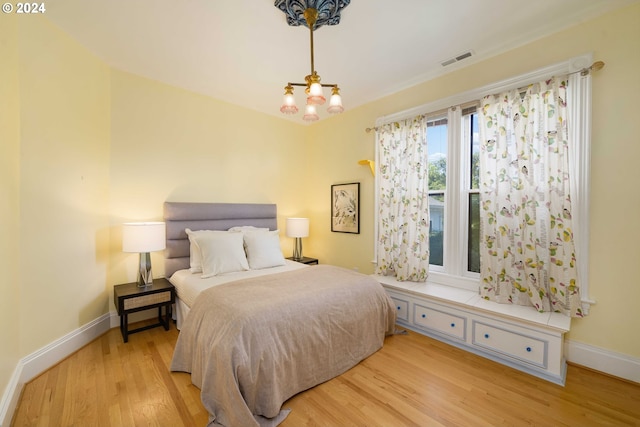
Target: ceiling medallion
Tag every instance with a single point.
(328, 11)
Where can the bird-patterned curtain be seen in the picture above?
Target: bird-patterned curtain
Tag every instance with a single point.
(403, 200)
(527, 250)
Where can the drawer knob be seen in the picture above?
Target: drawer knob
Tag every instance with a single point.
(398, 307)
(486, 335)
(424, 315)
(529, 349)
(453, 325)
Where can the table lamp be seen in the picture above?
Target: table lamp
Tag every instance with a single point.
(297, 228)
(143, 237)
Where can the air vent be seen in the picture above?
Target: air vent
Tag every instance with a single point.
(456, 59)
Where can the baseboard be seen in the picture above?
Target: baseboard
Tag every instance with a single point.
(603, 360)
(10, 397)
(39, 361)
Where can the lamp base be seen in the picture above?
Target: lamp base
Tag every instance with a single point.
(145, 277)
(297, 249)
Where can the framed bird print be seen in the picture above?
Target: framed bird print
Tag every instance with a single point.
(345, 208)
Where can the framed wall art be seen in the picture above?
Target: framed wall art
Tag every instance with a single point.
(345, 208)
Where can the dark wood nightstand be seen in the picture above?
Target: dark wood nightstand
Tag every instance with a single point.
(305, 260)
(129, 298)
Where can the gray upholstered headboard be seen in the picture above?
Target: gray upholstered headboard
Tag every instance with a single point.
(208, 216)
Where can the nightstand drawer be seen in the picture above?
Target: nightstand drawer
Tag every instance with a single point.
(147, 300)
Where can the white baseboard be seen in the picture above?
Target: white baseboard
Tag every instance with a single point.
(39, 361)
(603, 360)
(10, 397)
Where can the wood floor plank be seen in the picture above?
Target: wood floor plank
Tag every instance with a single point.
(412, 381)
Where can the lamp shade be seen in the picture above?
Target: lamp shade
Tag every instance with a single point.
(297, 227)
(310, 113)
(315, 94)
(143, 236)
(335, 103)
(289, 102)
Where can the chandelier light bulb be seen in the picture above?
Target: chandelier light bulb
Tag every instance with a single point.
(310, 113)
(335, 103)
(289, 102)
(314, 92)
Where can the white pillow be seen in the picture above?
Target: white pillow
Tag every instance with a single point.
(195, 256)
(221, 252)
(263, 249)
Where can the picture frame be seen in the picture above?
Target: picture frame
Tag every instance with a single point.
(345, 208)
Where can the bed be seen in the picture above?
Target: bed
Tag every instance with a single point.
(253, 337)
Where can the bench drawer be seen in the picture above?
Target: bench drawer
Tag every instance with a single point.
(402, 307)
(510, 343)
(440, 321)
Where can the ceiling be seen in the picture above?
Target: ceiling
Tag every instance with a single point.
(244, 53)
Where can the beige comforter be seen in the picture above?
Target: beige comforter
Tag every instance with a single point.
(251, 345)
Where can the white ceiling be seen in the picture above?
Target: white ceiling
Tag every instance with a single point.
(243, 52)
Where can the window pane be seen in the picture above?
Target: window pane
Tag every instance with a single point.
(437, 146)
(436, 228)
(474, 233)
(472, 141)
(475, 153)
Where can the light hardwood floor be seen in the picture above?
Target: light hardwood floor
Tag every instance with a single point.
(412, 381)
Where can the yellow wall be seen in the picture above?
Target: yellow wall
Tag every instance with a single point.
(170, 144)
(9, 199)
(64, 184)
(90, 147)
(615, 200)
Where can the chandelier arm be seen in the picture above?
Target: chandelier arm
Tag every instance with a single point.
(306, 84)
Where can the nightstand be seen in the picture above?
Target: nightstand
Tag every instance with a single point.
(305, 260)
(129, 298)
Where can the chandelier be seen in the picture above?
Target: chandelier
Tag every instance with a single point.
(312, 14)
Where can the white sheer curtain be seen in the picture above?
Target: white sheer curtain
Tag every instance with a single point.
(403, 200)
(527, 246)
(579, 127)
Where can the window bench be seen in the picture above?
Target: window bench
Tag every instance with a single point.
(516, 336)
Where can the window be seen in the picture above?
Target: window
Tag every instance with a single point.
(453, 162)
(453, 148)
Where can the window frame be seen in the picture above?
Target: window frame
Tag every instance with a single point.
(455, 271)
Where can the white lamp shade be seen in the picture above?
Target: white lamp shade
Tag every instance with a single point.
(335, 104)
(315, 94)
(297, 227)
(310, 113)
(289, 104)
(143, 236)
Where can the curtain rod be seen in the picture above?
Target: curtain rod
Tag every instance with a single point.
(596, 66)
